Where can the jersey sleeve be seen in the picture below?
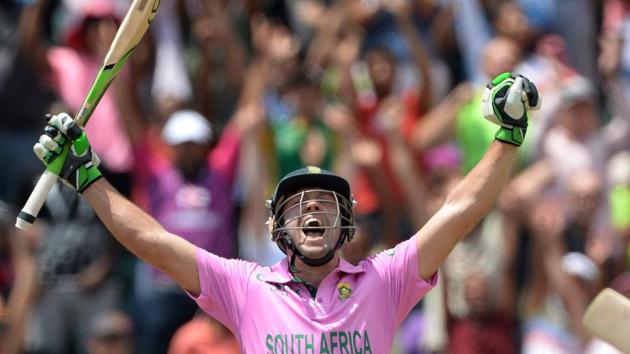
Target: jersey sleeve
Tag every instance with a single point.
(223, 284)
(398, 267)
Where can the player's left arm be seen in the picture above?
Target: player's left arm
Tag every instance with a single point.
(505, 102)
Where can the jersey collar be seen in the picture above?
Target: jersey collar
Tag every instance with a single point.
(279, 272)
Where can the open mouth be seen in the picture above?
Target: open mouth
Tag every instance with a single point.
(313, 227)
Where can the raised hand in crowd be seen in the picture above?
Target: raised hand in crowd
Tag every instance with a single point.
(21, 249)
(438, 124)
(548, 223)
(217, 36)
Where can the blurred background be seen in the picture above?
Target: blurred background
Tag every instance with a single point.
(222, 98)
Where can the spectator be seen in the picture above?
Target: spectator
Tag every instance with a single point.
(567, 285)
(223, 63)
(83, 50)
(373, 78)
(456, 118)
(18, 283)
(23, 98)
(110, 332)
(578, 131)
(74, 272)
(188, 184)
(200, 181)
(567, 272)
(203, 335)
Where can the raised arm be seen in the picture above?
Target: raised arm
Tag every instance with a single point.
(403, 163)
(437, 126)
(505, 103)
(213, 30)
(465, 206)
(402, 11)
(32, 40)
(143, 236)
(131, 226)
(23, 245)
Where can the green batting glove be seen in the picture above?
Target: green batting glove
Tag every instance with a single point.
(80, 167)
(506, 101)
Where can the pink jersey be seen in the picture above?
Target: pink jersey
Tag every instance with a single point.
(357, 309)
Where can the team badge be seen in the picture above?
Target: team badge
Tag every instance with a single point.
(345, 291)
(313, 169)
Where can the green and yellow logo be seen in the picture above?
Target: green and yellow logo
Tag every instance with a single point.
(345, 291)
(313, 169)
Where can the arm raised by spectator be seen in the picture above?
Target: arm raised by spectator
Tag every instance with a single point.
(402, 10)
(368, 154)
(547, 222)
(327, 29)
(438, 124)
(23, 249)
(270, 42)
(31, 30)
(404, 165)
(215, 33)
(126, 95)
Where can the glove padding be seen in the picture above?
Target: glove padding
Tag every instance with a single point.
(64, 139)
(506, 101)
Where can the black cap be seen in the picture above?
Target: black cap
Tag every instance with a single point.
(311, 177)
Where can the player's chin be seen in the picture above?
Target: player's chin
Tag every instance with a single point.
(314, 250)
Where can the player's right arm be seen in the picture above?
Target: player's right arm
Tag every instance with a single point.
(145, 237)
(131, 226)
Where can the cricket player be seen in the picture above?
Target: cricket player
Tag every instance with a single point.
(313, 301)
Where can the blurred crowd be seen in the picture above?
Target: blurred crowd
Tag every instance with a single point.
(222, 98)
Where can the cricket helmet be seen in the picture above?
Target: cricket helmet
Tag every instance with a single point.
(289, 195)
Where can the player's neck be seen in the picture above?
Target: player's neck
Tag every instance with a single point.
(315, 275)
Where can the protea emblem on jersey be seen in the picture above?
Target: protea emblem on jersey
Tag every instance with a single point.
(345, 291)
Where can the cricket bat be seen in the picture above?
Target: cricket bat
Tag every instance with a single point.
(608, 318)
(131, 30)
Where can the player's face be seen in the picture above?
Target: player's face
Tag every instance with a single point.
(313, 221)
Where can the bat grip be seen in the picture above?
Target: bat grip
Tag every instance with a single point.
(35, 201)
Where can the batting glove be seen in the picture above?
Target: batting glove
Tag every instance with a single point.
(64, 139)
(506, 101)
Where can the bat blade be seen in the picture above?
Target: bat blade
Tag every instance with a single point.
(131, 30)
(608, 318)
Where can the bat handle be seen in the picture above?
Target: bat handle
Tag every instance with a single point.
(35, 201)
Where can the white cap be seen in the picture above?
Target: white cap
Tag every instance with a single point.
(187, 126)
(577, 89)
(580, 265)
